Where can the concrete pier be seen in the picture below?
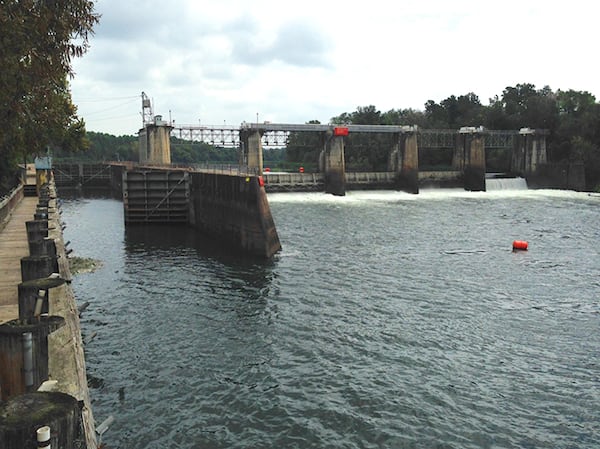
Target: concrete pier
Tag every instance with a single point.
(252, 151)
(470, 157)
(335, 166)
(407, 164)
(154, 142)
(530, 152)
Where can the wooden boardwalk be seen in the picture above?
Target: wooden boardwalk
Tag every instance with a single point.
(13, 246)
(66, 359)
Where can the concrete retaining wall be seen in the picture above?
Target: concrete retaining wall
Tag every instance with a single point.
(558, 176)
(234, 209)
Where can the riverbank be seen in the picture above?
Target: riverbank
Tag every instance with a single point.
(66, 360)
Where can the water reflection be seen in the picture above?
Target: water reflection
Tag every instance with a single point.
(153, 236)
(161, 236)
(74, 193)
(200, 318)
(201, 258)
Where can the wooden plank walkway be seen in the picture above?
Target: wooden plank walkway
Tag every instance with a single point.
(13, 246)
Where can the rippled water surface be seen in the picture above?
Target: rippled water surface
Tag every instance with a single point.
(388, 321)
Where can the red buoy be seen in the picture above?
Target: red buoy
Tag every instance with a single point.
(520, 244)
(301, 169)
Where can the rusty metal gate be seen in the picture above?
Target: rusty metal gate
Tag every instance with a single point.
(156, 196)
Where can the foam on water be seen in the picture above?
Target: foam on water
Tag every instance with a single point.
(424, 195)
(505, 184)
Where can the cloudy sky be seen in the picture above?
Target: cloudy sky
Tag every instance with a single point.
(227, 61)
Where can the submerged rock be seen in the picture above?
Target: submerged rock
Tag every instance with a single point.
(79, 265)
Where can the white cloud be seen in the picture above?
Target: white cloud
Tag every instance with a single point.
(294, 62)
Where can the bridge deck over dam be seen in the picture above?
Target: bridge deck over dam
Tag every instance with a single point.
(277, 134)
(467, 148)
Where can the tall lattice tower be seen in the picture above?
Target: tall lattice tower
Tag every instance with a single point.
(147, 113)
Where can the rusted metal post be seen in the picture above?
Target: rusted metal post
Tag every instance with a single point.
(24, 360)
(23, 416)
(29, 293)
(37, 267)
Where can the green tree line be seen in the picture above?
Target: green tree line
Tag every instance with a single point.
(186, 152)
(107, 147)
(571, 117)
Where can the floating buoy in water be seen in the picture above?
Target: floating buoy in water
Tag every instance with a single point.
(520, 245)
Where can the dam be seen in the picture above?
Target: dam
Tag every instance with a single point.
(231, 203)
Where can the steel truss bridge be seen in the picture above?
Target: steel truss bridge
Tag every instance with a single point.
(277, 135)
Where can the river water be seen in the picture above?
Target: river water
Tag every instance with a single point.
(388, 320)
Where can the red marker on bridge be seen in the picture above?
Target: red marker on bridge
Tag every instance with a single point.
(340, 131)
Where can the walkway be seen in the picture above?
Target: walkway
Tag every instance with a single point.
(13, 246)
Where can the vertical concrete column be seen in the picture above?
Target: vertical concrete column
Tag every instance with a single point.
(155, 142)
(474, 160)
(255, 152)
(159, 144)
(335, 167)
(530, 151)
(538, 153)
(407, 178)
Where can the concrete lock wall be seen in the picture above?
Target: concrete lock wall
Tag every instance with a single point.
(234, 209)
(561, 175)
